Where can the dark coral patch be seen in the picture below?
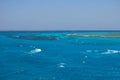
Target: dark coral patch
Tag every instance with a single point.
(35, 37)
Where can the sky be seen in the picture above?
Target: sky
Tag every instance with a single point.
(59, 15)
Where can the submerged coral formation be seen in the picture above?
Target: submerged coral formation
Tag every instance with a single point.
(34, 37)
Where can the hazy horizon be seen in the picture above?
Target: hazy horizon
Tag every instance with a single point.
(39, 15)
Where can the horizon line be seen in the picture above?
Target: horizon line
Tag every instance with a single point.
(54, 30)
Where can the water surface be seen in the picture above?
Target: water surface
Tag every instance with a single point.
(59, 56)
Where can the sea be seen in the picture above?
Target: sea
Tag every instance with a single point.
(59, 55)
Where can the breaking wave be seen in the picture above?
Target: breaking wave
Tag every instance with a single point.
(37, 50)
(111, 51)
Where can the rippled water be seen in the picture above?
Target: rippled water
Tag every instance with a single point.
(56, 56)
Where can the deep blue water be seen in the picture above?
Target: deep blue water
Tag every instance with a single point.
(61, 57)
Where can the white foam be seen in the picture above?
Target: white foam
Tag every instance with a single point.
(111, 51)
(62, 65)
(37, 50)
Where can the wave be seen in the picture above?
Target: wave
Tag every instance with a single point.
(89, 51)
(62, 65)
(111, 51)
(37, 50)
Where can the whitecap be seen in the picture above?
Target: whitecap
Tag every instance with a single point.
(62, 65)
(37, 50)
(111, 51)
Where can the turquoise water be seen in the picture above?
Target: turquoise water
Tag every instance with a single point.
(55, 56)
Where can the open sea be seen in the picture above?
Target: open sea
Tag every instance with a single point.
(60, 55)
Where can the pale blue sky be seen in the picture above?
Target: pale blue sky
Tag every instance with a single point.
(59, 14)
